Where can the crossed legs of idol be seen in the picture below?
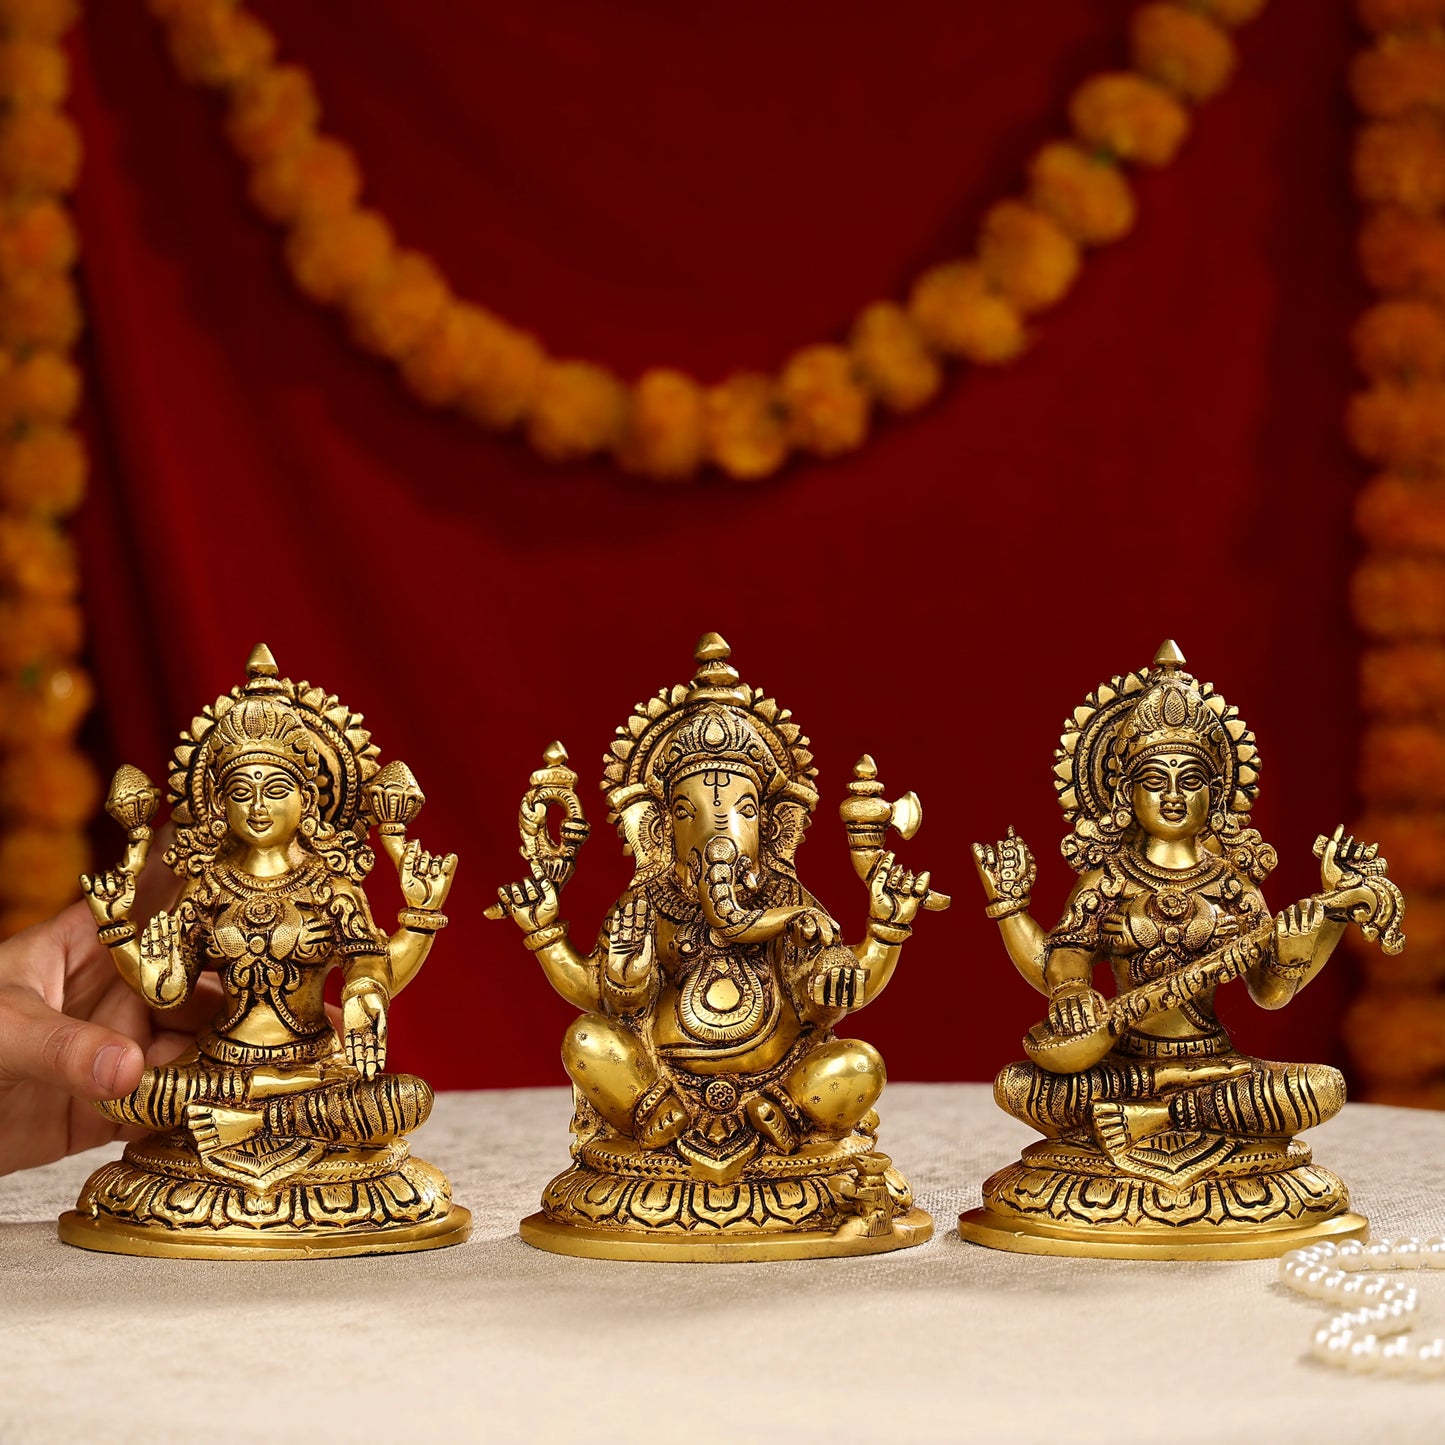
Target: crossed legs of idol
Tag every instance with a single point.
(226, 1104)
(826, 1093)
(1129, 1096)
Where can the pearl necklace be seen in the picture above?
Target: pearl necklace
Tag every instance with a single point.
(1371, 1335)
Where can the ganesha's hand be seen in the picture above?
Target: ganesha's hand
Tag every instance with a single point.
(1007, 871)
(162, 968)
(363, 1030)
(426, 878)
(813, 927)
(843, 986)
(531, 904)
(630, 950)
(111, 896)
(894, 893)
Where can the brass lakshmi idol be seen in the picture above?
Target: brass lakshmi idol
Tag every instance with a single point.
(1162, 1140)
(271, 1138)
(717, 1115)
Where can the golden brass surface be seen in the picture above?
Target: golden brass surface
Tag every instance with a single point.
(718, 1116)
(1161, 1139)
(275, 1136)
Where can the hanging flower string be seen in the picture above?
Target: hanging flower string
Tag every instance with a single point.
(48, 789)
(665, 425)
(1396, 1028)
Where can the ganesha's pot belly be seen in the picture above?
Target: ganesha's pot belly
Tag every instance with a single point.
(752, 1046)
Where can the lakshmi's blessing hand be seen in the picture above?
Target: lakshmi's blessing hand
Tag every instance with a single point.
(363, 1030)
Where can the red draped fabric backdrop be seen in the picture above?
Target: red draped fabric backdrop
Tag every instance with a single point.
(710, 186)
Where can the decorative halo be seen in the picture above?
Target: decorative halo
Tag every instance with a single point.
(1088, 761)
(631, 765)
(348, 757)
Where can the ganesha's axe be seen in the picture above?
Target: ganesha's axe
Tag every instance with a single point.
(552, 786)
(867, 815)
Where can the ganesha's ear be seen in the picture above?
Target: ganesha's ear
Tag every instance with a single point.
(644, 830)
(786, 823)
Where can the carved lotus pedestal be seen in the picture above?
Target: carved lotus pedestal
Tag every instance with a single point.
(1184, 1195)
(266, 1198)
(617, 1201)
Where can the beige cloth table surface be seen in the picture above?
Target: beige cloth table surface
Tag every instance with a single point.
(493, 1340)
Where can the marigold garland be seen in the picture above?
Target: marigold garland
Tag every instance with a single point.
(48, 788)
(1396, 1028)
(664, 425)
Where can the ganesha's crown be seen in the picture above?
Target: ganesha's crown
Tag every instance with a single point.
(1172, 716)
(715, 723)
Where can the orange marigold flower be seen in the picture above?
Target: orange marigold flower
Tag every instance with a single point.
(1397, 514)
(504, 371)
(1026, 256)
(272, 112)
(827, 408)
(33, 73)
(961, 315)
(747, 434)
(1231, 12)
(37, 559)
(1403, 764)
(39, 151)
(45, 703)
(664, 436)
(1401, 252)
(1085, 193)
(578, 410)
(1378, 15)
(331, 257)
(1181, 49)
(217, 43)
(1400, 339)
(1397, 1037)
(1407, 680)
(317, 177)
(49, 785)
(1399, 597)
(38, 19)
(43, 471)
(42, 866)
(34, 631)
(39, 311)
(890, 354)
(1400, 74)
(1399, 425)
(391, 313)
(41, 237)
(45, 387)
(445, 355)
(1129, 116)
(1402, 163)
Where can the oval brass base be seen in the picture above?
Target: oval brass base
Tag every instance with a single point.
(739, 1247)
(114, 1236)
(998, 1231)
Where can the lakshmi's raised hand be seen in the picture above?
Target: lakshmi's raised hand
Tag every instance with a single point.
(426, 878)
(111, 896)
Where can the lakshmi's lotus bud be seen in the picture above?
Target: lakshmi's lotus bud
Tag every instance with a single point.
(393, 798)
(132, 800)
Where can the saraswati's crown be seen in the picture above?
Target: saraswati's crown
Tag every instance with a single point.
(1172, 717)
(262, 727)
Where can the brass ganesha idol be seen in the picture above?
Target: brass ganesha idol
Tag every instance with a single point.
(275, 1136)
(718, 1115)
(1161, 1139)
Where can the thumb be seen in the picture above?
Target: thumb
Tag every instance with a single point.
(45, 1047)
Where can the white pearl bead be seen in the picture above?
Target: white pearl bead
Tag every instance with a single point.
(1374, 1288)
(1320, 1346)
(1339, 1347)
(1311, 1283)
(1396, 1357)
(1379, 1254)
(1330, 1284)
(1350, 1255)
(1326, 1249)
(1430, 1358)
(1433, 1252)
(1350, 1289)
(1363, 1353)
(1406, 1253)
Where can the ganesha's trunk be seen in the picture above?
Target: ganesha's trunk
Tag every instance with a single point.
(728, 918)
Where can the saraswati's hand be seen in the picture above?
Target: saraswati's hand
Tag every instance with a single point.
(1076, 1009)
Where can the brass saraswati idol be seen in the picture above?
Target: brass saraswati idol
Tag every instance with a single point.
(272, 1137)
(1162, 1139)
(717, 1115)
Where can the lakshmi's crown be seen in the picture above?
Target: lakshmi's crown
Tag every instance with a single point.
(1172, 717)
(263, 727)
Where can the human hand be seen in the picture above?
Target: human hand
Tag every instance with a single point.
(72, 1031)
(363, 1031)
